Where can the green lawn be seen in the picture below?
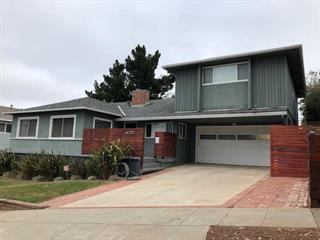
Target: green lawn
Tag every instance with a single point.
(35, 192)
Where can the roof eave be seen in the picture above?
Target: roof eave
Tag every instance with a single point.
(61, 109)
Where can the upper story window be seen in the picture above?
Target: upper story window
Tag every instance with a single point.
(102, 123)
(225, 73)
(28, 127)
(62, 126)
(5, 127)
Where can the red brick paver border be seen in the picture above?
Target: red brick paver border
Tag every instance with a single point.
(273, 192)
(73, 197)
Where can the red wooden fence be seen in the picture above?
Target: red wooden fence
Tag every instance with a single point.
(93, 139)
(314, 166)
(166, 146)
(289, 151)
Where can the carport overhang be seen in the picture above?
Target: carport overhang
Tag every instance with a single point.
(251, 118)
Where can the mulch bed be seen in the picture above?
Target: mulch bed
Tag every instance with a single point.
(262, 233)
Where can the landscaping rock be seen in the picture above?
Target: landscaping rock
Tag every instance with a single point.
(22, 177)
(114, 178)
(10, 174)
(58, 179)
(92, 178)
(75, 177)
(40, 178)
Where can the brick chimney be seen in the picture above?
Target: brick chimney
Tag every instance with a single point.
(140, 98)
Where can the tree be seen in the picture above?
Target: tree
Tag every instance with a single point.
(138, 71)
(114, 86)
(310, 104)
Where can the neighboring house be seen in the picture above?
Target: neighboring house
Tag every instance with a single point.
(5, 128)
(221, 112)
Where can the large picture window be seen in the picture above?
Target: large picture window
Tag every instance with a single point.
(28, 127)
(225, 73)
(62, 126)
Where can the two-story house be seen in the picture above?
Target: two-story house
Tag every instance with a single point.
(221, 113)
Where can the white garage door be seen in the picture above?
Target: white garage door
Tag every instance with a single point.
(238, 145)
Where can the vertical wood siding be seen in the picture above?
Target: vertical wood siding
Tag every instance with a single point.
(223, 96)
(186, 89)
(270, 81)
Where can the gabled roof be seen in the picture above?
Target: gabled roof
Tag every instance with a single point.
(294, 54)
(4, 117)
(76, 104)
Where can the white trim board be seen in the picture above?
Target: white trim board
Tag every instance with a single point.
(203, 116)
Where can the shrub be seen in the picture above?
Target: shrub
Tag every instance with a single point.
(48, 165)
(7, 161)
(26, 166)
(78, 167)
(103, 161)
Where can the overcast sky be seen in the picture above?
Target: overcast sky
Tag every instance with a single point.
(53, 51)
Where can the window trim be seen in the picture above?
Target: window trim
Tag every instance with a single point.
(19, 123)
(125, 124)
(74, 116)
(185, 127)
(103, 120)
(222, 65)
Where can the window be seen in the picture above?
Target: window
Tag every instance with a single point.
(208, 137)
(62, 126)
(247, 137)
(101, 123)
(227, 137)
(130, 125)
(151, 128)
(9, 128)
(263, 137)
(225, 73)
(182, 131)
(28, 127)
(2, 127)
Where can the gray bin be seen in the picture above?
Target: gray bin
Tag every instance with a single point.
(134, 166)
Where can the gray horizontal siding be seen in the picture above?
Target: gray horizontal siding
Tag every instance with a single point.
(224, 96)
(186, 94)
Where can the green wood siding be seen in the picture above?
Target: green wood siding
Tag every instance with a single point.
(269, 81)
(224, 96)
(186, 94)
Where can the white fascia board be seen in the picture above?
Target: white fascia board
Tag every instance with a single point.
(204, 116)
(62, 109)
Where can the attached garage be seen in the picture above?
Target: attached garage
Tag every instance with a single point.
(236, 145)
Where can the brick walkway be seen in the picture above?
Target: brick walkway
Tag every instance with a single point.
(273, 192)
(73, 197)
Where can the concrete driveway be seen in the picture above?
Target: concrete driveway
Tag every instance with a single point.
(186, 185)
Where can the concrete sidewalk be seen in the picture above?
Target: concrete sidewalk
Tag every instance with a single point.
(142, 223)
